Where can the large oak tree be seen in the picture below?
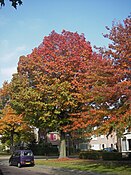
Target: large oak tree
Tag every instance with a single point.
(66, 83)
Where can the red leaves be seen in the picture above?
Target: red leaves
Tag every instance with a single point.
(120, 47)
(65, 51)
(81, 85)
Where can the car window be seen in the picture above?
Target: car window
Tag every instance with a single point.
(16, 154)
(26, 153)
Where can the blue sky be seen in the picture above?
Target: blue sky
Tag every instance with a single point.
(23, 29)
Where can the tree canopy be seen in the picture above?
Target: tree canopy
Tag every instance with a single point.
(58, 77)
(67, 86)
(14, 3)
(79, 87)
(13, 127)
(68, 77)
(119, 51)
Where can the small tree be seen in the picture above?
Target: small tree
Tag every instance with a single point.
(11, 125)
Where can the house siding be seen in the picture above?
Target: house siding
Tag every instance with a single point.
(100, 142)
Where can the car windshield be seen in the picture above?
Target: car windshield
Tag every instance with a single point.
(27, 153)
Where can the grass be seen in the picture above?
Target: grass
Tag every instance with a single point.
(106, 167)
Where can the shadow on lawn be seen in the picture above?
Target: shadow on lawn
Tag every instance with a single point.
(96, 166)
(104, 166)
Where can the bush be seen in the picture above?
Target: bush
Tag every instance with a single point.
(111, 156)
(43, 149)
(90, 155)
(129, 156)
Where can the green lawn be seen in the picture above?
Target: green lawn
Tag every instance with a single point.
(106, 167)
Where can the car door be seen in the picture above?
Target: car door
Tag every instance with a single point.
(16, 158)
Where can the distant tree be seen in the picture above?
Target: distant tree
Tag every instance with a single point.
(119, 51)
(4, 95)
(14, 3)
(119, 48)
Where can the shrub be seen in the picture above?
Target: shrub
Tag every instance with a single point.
(129, 156)
(111, 156)
(43, 149)
(90, 155)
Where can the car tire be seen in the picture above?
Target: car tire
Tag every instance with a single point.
(19, 165)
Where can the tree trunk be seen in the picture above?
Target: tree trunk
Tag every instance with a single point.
(119, 143)
(12, 141)
(62, 150)
(119, 135)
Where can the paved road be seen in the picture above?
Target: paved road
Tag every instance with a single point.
(38, 170)
(6, 170)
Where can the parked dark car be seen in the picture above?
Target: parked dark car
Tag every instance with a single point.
(22, 158)
(109, 149)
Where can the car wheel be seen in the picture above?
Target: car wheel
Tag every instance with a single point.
(19, 165)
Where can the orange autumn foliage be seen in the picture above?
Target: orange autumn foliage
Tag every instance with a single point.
(11, 121)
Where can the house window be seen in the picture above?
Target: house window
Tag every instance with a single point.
(102, 136)
(95, 146)
(124, 146)
(129, 143)
(94, 137)
(103, 146)
(83, 146)
(53, 137)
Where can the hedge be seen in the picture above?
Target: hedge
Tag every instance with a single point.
(111, 156)
(93, 154)
(90, 155)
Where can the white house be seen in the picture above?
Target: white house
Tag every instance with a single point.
(126, 143)
(100, 142)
